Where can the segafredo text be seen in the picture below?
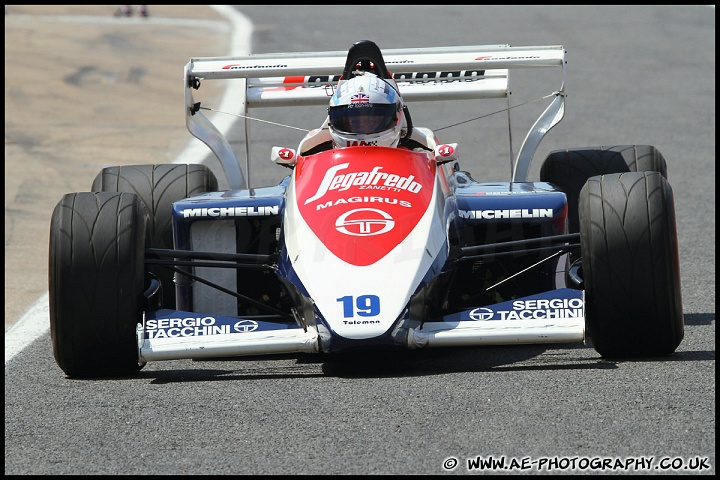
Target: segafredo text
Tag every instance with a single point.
(374, 179)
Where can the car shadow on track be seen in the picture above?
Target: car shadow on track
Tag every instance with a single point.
(386, 363)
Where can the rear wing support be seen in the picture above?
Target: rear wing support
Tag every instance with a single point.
(422, 74)
(547, 120)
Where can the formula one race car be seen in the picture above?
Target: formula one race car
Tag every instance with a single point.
(366, 247)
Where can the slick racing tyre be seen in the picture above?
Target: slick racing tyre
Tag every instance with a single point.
(631, 272)
(569, 169)
(158, 186)
(96, 279)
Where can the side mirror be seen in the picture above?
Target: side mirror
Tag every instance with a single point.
(284, 156)
(446, 152)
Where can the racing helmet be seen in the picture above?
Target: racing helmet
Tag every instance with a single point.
(365, 110)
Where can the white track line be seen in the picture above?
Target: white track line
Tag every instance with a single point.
(36, 321)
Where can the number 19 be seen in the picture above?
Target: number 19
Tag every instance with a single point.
(364, 306)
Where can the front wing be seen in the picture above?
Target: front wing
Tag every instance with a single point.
(556, 316)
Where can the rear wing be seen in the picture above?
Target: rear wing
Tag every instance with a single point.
(422, 74)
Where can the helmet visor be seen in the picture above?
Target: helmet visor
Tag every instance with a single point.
(363, 118)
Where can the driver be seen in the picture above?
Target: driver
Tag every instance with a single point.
(365, 110)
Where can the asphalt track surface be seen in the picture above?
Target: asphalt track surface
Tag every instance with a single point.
(82, 93)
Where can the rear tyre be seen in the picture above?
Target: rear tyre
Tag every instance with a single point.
(631, 272)
(158, 186)
(569, 169)
(96, 279)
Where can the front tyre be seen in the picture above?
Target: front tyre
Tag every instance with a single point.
(630, 264)
(96, 280)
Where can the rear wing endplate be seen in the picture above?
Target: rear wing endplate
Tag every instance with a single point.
(422, 74)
